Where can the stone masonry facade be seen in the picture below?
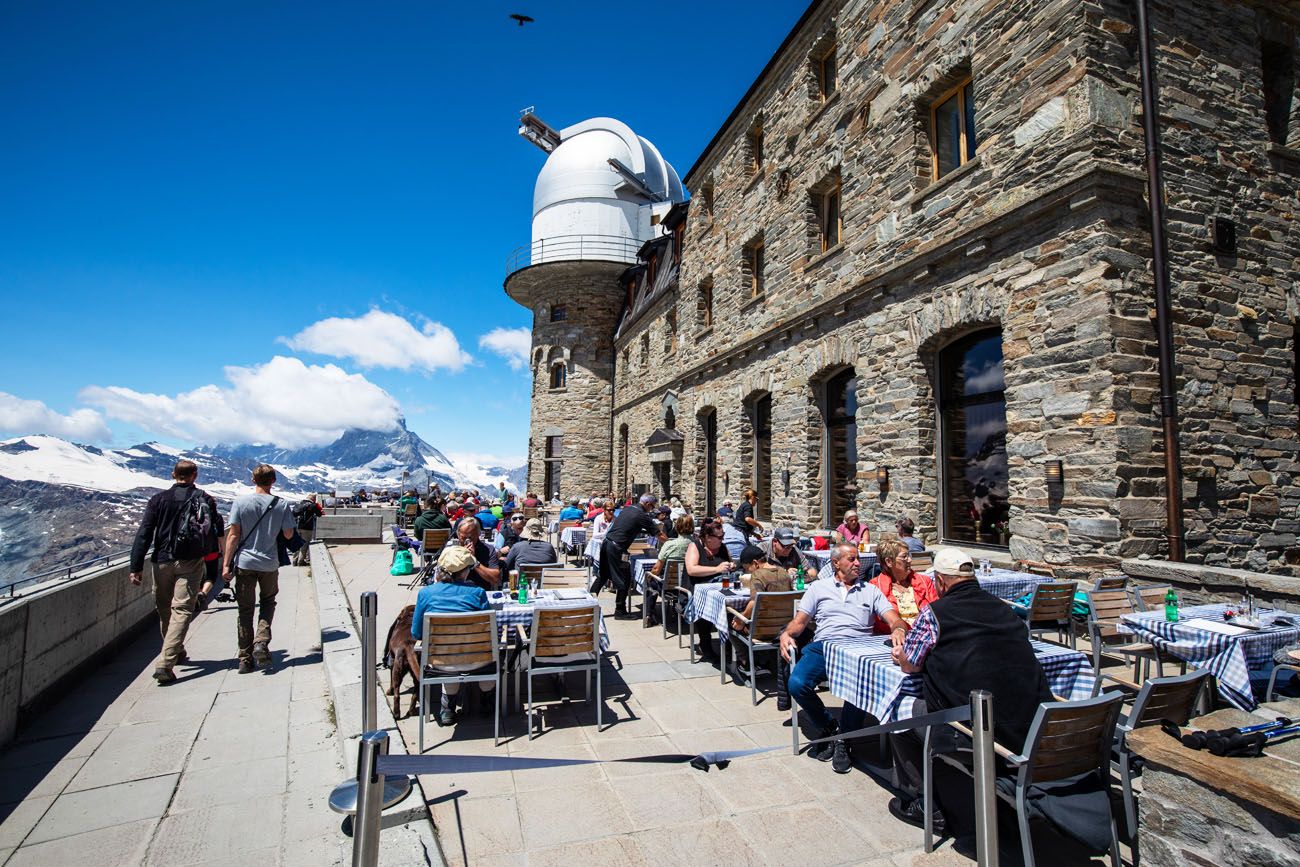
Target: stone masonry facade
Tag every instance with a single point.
(1043, 234)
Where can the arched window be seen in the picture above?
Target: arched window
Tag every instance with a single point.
(973, 418)
(709, 428)
(559, 375)
(840, 489)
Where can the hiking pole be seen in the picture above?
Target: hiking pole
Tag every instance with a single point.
(986, 803)
(369, 611)
(1251, 744)
(1200, 740)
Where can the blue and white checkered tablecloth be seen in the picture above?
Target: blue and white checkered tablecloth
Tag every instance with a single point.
(574, 537)
(641, 567)
(1230, 657)
(822, 559)
(511, 614)
(1010, 584)
(862, 673)
(709, 602)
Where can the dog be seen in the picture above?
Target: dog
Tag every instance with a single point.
(401, 659)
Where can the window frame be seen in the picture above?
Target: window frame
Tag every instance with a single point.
(706, 300)
(833, 192)
(830, 508)
(754, 146)
(963, 91)
(559, 312)
(755, 260)
(820, 63)
(562, 368)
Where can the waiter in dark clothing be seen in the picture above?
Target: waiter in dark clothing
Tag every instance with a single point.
(967, 639)
(631, 522)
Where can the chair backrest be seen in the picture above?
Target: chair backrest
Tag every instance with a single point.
(773, 612)
(563, 631)
(672, 575)
(922, 560)
(1106, 607)
(564, 525)
(1111, 582)
(411, 510)
(468, 639)
(565, 576)
(530, 512)
(535, 572)
(434, 540)
(1068, 738)
(1150, 597)
(1171, 698)
(1052, 601)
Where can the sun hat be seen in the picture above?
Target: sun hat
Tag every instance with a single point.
(456, 559)
(533, 529)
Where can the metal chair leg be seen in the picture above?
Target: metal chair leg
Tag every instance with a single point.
(530, 704)
(753, 678)
(422, 687)
(600, 698)
(927, 793)
(722, 650)
(1022, 817)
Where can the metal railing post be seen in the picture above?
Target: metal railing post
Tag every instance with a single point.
(986, 799)
(370, 799)
(369, 611)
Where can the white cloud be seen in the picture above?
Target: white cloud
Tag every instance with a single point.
(512, 344)
(21, 417)
(381, 339)
(478, 459)
(284, 402)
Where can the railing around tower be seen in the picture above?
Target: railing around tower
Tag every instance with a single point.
(574, 248)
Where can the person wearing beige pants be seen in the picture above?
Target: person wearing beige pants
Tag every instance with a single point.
(175, 591)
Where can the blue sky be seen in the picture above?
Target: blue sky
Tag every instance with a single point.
(204, 200)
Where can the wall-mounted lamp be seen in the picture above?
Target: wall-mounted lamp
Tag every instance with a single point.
(1054, 473)
(882, 476)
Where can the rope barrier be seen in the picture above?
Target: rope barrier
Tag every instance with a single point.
(461, 764)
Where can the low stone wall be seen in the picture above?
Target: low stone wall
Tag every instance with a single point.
(1197, 583)
(52, 634)
(357, 526)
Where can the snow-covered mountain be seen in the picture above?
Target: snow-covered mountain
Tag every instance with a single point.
(61, 502)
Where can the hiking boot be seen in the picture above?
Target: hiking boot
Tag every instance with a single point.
(183, 658)
(261, 655)
(246, 666)
(823, 752)
(841, 757)
(913, 813)
(164, 676)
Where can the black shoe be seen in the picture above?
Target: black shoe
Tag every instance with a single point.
(823, 751)
(841, 757)
(739, 675)
(164, 676)
(261, 655)
(246, 666)
(446, 717)
(783, 703)
(913, 813)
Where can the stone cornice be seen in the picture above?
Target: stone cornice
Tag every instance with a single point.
(1080, 191)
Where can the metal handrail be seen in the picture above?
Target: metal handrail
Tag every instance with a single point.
(68, 572)
(605, 248)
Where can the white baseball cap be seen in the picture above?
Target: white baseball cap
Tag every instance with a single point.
(953, 561)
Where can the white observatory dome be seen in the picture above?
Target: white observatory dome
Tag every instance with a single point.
(586, 208)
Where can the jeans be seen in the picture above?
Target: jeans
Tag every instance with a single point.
(809, 671)
(250, 585)
(175, 590)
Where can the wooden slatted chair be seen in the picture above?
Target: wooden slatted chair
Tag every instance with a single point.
(534, 572)
(565, 576)
(461, 648)
(773, 611)
(1111, 582)
(1105, 608)
(409, 514)
(562, 639)
(1049, 611)
(430, 546)
(1066, 739)
(1149, 597)
(529, 512)
(922, 560)
(1161, 698)
(672, 592)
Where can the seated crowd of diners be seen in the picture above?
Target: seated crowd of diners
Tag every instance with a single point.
(944, 627)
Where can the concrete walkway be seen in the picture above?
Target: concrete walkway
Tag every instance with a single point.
(218, 768)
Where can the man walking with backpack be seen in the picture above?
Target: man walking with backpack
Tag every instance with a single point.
(256, 520)
(180, 524)
(306, 513)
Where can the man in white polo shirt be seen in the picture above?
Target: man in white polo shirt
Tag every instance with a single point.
(844, 608)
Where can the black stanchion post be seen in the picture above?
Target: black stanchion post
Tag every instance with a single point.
(370, 799)
(369, 612)
(986, 799)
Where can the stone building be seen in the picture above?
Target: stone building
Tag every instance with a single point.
(915, 277)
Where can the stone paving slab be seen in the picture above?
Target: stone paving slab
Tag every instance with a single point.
(204, 771)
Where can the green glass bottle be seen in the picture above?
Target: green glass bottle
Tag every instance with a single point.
(1171, 606)
(799, 577)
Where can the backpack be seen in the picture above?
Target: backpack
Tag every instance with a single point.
(195, 533)
(304, 514)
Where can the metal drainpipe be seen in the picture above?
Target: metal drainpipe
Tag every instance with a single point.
(1160, 265)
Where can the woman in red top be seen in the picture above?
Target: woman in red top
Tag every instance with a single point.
(910, 592)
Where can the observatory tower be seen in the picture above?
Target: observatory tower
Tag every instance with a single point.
(599, 198)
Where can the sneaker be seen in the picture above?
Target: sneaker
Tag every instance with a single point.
(261, 654)
(446, 717)
(841, 757)
(164, 676)
(913, 813)
(246, 666)
(823, 751)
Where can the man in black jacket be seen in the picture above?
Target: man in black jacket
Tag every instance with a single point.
(177, 573)
(633, 521)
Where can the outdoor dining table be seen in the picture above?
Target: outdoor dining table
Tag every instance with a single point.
(592, 551)
(1010, 584)
(710, 602)
(511, 614)
(1203, 639)
(863, 673)
(574, 537)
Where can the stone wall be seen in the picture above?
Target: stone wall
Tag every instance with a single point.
(582, 342)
